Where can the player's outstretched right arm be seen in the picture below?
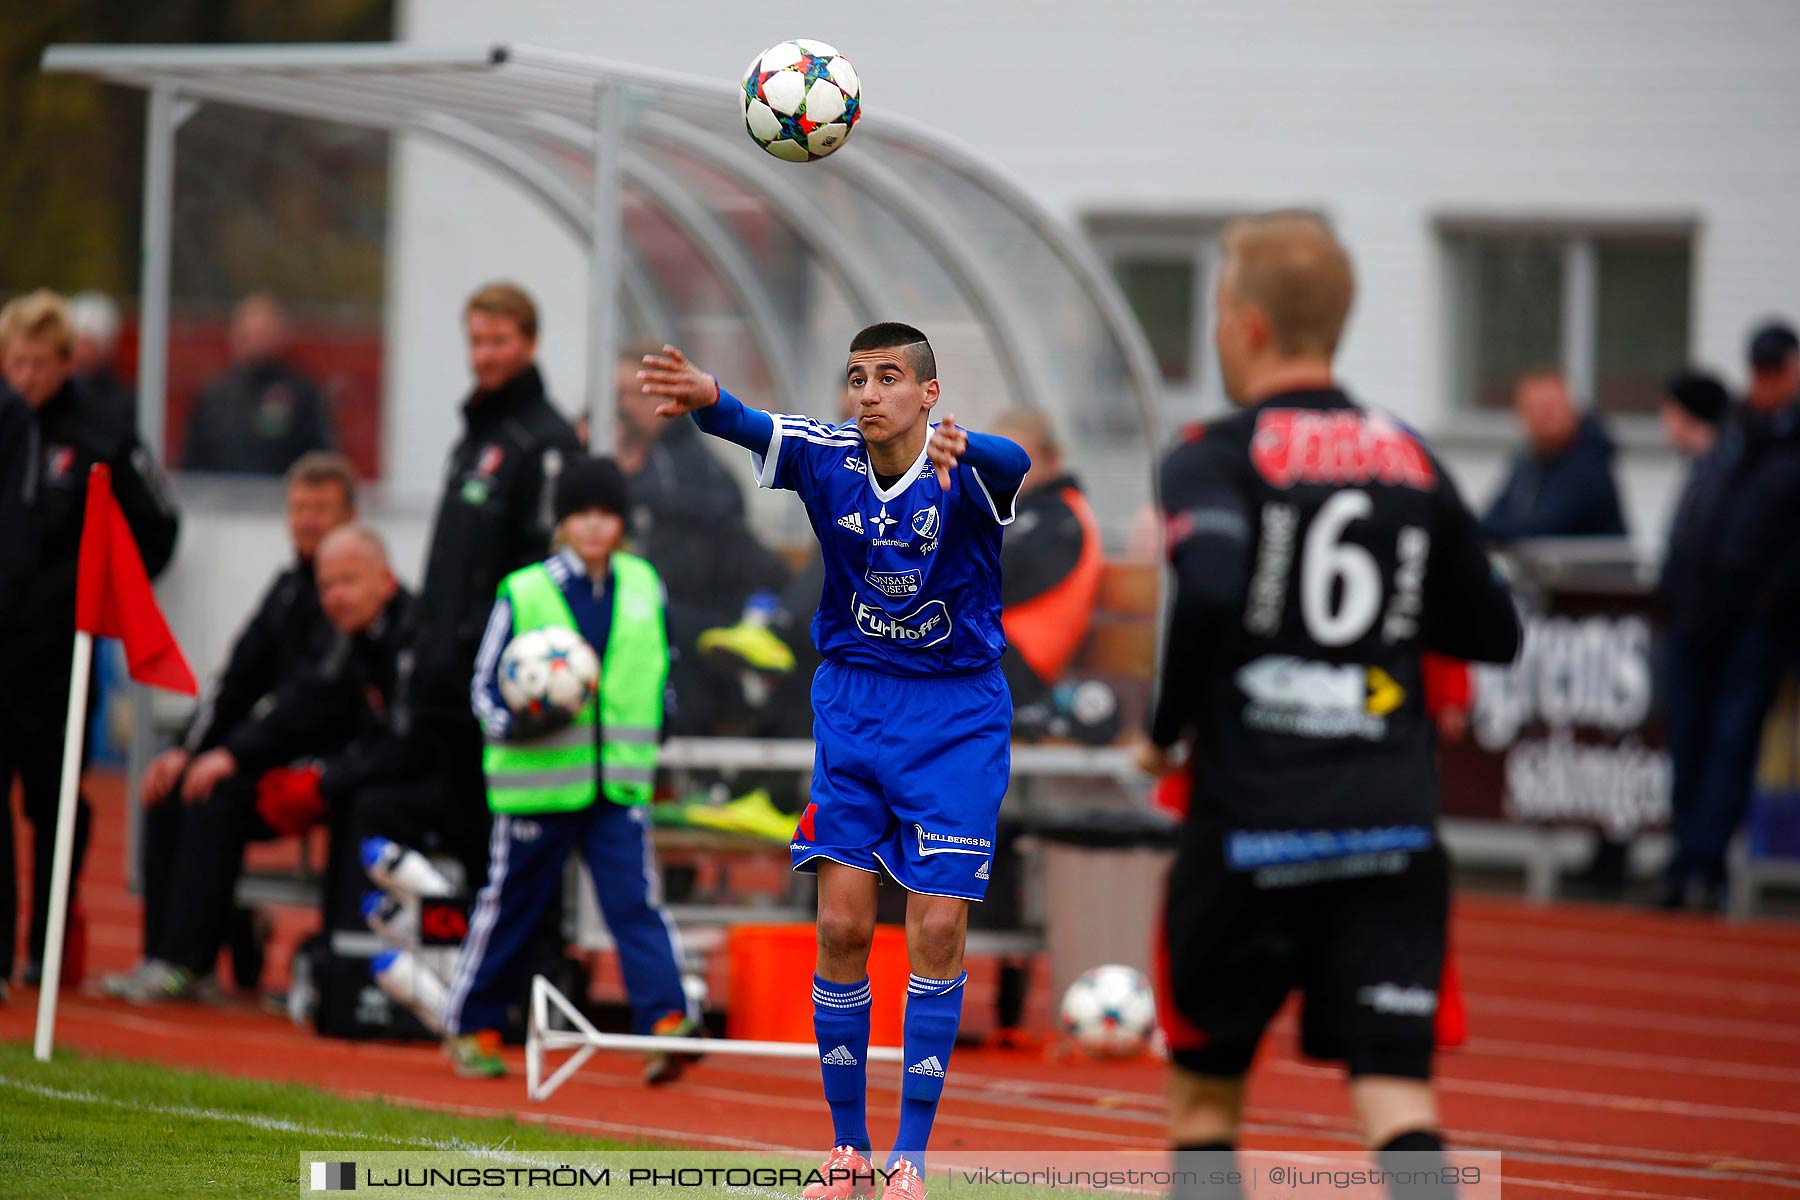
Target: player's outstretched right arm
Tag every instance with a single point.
(685, 388)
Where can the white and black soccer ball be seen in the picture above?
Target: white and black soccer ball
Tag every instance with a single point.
(800, 100)
(1110, 1011)
(553, 667)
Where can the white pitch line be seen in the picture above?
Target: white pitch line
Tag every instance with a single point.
(1634, 949)
(252, 1120)
(1570, 1096)
(1667, 1064)
(1492, 1006)
(1660, 982)
(983, 1084)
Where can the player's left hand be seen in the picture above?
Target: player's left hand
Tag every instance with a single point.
(206, 773)
(946, 449)
(1152, 759)
(682, 386)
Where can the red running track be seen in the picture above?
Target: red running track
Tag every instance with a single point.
(1612, 1053)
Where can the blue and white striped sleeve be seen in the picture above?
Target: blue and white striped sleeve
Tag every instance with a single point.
(802, 450)
(484, 690)
(786, 449)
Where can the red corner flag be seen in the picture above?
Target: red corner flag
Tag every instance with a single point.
(113, 596)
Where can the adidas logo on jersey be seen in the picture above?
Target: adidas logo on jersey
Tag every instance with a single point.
(930, 1066)
(981, 872)
(853, 523)
(841, 1057)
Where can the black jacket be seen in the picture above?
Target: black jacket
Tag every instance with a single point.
(74, 433)
(284, 639)
(1571, 495)
(687, 519)
(18, 499)
(1318, 549)
(348, 711)
(1734, 544)
(256, 419)
(1042, 545)
(496, 515)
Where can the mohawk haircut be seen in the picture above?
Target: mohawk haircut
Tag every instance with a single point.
(893, 335)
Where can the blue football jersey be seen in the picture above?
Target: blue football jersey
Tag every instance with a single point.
(912, 574)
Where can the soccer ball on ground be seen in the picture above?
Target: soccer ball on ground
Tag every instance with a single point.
(1110, 1012)
(800, 100)
(553, 667)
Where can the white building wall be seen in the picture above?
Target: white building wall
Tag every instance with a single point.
(1383, 116)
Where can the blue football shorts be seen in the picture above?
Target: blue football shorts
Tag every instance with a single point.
(908, 777)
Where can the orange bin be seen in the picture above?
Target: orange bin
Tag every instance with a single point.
(769, 996)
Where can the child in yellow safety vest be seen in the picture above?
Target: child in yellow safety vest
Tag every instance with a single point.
(559, 782)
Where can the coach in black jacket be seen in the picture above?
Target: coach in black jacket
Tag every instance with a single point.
(495, 517)
(18, 498)
(37, 640)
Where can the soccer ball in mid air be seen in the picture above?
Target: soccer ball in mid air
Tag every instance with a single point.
(553, 667)
(1110, 1011)
(800, 100)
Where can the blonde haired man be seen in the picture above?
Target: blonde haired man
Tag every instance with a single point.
(1318, 548)
(495, 517)
(73, 433)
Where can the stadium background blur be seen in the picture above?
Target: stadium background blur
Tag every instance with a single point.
(1536, 182)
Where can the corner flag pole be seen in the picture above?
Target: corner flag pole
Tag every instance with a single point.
(73, 731)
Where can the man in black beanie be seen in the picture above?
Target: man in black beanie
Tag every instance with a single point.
(1729, 588)
(1693, 405)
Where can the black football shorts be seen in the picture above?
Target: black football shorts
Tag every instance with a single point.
(1361, 938)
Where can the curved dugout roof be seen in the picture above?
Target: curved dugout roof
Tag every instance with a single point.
(685, 219)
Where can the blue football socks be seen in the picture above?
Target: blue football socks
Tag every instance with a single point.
(841, 1024)
(933, 1012)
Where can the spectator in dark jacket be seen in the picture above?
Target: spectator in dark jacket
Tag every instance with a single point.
(687, 520)
(95, 358)
(1561, 483)
(37, 641)
(1050, 563)
(285, 639)
(326, 737)
(1728, 587)
(261, 414)
(495, 516)
(18, 497)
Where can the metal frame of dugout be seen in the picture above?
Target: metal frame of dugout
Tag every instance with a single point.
(555, 125)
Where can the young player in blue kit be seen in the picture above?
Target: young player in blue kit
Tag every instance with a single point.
(912, 716)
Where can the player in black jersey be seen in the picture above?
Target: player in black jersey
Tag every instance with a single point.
(1318, 548)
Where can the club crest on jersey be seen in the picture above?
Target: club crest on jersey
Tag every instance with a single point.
(1344, 446)
(924, 626)
(925, 523)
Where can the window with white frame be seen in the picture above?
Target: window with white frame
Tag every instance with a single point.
(1165, 267)
(1609, 305)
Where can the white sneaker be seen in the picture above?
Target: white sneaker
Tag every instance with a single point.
(121, 984)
